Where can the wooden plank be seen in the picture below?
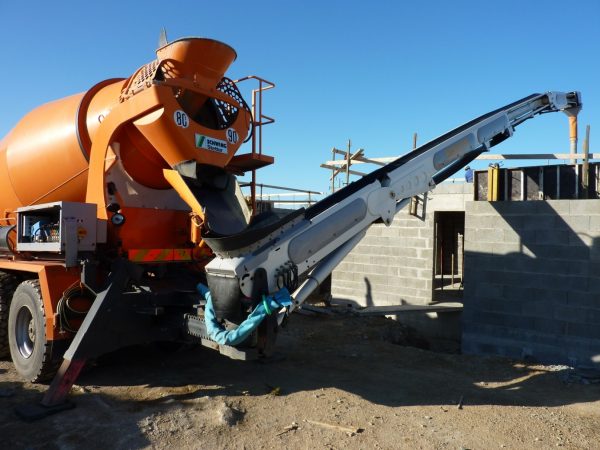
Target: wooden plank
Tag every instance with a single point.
(400, 309)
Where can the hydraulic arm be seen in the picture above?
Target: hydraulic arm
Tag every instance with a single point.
(315, 240)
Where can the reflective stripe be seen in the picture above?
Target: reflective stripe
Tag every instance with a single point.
(182, 254)
(160, 254)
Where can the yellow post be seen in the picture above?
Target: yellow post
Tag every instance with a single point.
(493, 180)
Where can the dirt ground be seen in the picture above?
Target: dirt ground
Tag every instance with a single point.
(341, 383)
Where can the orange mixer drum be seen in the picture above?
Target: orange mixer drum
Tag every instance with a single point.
(45, 157)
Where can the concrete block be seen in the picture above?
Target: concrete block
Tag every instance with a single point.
(581, 239)
(375, 279)
(494, 304)
(375, 230)
(487, 235)
(393, 233)
(549, 326)
(426, 233)
(559, 207)
(475, 248)
(540, 222)
(403, 252)
(588, 300)
(562, 252)
(508, 209)
(498, 319)
(426, 254)
(416, 243)
(591, 331)
(377, 241)
(481, 221)
(479, 207)
(573, 223)
(537, 309)
(573, 314)
(417, 263)
(493, 291)
(595, 224)
(553, 237)
(402, 222)
(501, 248)
(594, 251)
(584, 207)
(490, 345)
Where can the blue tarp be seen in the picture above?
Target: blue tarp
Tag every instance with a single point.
(270, 304)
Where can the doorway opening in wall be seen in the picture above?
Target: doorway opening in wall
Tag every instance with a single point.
(448, 256)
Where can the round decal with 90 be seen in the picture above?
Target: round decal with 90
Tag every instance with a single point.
(232, 136)
(181, 119)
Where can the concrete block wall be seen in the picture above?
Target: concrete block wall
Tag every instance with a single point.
(394, 265)
(532, 280)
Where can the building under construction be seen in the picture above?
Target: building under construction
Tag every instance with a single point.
(519, 248)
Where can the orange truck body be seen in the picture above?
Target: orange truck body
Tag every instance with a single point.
(119, 143)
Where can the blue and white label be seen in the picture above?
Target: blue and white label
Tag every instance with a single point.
(209, 143)
(181, 119)
(232, 136)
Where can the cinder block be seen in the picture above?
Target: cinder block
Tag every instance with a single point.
(508, 209)
(416, 243)
(403, 252)
(590, 331)
(394, 233)
(537, 309)
(553, 237)
(581, 239)
(426, 255)
(486, 235)
(375, 230)
(563, 252)
(573, 223)
(426, 233)
(504, 249)
(479, 207)
(570, 313)
(481, 221)
(474, 247)
(490, 345)
(595, 224)
(589, 300)
(559, 207)
(540, 222)
(584, 207)
(417, 263)
(491, 291)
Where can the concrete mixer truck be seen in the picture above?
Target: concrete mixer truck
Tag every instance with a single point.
(122, 220)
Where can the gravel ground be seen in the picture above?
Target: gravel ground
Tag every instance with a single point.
(340, 383)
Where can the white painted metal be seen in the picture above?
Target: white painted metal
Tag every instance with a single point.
(377, 201)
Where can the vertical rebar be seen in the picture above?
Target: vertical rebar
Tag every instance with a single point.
(586, 164)
(348, 163)
(333, 154)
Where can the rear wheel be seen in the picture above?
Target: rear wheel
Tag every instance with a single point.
(8, 284)
(30, 349)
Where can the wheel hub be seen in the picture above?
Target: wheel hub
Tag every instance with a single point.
(25, 332)
(31, 331)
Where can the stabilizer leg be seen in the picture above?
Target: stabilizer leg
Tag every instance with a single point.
(90, 340)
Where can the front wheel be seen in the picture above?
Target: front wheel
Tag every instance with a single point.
(30, 349)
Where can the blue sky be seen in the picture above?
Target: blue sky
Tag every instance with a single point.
(374, 72)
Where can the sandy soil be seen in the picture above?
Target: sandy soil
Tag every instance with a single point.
(342, 383)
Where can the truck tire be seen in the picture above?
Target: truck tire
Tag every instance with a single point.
(8, 284)
(30, 349)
